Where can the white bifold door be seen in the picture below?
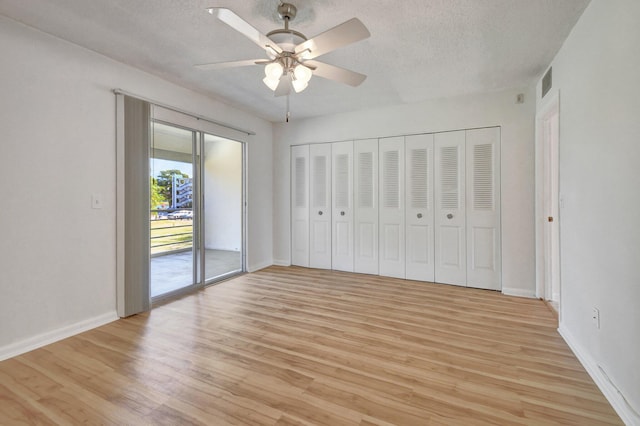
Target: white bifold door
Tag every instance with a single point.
(423, 207)
(300, 205)
(365, 184)
(450, 219)
(467, 208)
(391, 214)
(419, 208)
(320, 206)
(342, 206)
(483, 208)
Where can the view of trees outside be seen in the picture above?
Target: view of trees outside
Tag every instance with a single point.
(169, 231)
(162, 187)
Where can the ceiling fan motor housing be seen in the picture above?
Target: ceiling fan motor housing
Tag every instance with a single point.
(287, 11)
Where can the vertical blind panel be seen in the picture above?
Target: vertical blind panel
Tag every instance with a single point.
(135, 288)
(319, 181)
(449, 185)
(301, 184)
(391, 179)
(419, 176)
(341, 177)
(365, 180)
(483, 189)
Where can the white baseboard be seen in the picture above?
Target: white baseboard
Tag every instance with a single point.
(518, 292)
(258, 266)
(35, 342)
(280, 262)
(610, 392)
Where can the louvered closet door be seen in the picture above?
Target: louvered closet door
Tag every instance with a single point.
(342, 205)
(450, 235)
(483, 208)
(300, 205)
(419, 208)
(320, 211)
(365, 182)
(391, 212)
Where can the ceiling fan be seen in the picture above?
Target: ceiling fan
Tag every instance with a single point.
(290, 63)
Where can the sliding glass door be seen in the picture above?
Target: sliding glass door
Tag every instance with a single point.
(196, 215)
(172, 213)
(222, 207)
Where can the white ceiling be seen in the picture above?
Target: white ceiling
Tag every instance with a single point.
(418, 49)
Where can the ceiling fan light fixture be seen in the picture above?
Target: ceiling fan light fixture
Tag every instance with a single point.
(272, 83)
(273, 70)
(299, 85)
(302, 73)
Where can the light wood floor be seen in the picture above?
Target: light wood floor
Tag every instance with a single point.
(294, 346)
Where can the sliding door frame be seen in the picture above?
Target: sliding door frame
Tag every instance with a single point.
(201, 268)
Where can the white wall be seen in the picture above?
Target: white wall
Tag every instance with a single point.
(493, 109)
(57, 121)
(223, 195)
(597, 74)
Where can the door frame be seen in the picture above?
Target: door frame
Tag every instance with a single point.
(548, 108)
(201, 225)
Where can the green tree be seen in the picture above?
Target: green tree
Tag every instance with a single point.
(165, 183)
(156, 196)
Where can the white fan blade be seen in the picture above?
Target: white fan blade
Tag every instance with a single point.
(346, 33)
(331, 72)
(284, 88)
(232, 64)
(243, 27)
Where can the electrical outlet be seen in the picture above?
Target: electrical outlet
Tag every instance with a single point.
(595, 317)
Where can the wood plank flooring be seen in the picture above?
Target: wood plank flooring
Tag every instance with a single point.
(295, 346)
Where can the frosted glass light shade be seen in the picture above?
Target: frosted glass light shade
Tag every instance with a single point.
(302, 73)
(272, 83)
(273, 70)
(299, 85)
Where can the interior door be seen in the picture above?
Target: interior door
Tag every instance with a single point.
(342, 206)
(551, 206)
(366, 206)
(391, 212)
(419, 208)
(320, 211)
(483, 208)
(450, 235)
(300, 205)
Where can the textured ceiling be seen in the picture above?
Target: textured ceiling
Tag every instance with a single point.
(418, 49)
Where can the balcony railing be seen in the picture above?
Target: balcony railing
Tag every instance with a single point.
(169, 234)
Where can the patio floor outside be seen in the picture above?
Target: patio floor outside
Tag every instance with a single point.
(173, 271)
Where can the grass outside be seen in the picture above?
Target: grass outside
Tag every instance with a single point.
(169, 235)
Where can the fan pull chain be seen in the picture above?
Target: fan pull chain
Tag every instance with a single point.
(288, 110)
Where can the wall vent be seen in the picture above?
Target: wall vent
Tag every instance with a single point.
(546, 82)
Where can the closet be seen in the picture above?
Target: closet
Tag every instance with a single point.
(422, 207)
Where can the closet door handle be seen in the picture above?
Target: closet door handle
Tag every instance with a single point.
(320, 212)
(419, 215)
(341, 213)
(449, 216)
